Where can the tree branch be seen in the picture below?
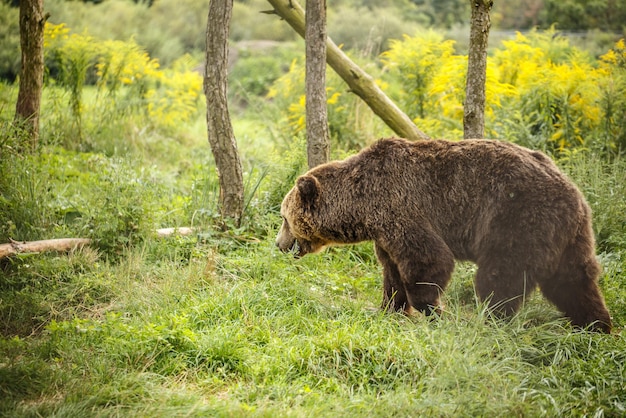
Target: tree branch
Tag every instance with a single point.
(359, 81)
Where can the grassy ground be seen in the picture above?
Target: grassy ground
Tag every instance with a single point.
(223, 324)
(246, 331)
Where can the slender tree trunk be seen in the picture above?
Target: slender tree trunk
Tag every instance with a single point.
(359, 81)
(318, 137)
(32, 22)
(219, 128)
(474, 108)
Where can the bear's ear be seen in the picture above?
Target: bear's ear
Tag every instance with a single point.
(309, 189)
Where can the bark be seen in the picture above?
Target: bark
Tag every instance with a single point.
(219, 128)
(32, 22)
(61, 244)
(359, 81)
(474, 108)
(318, 136)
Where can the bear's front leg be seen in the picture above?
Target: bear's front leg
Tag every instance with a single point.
(394, 294)
(424, 265)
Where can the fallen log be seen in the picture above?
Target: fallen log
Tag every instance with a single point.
(166, 232)
(60, 244)
(68, 244)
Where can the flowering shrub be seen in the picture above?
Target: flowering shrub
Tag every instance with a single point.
(350, 121)
(126, 78)
(556, 87)
(417, 61)
(540, 92)
(613, 98)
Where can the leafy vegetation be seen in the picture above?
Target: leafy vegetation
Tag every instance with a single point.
(221, 323)
(169, 29)
(10, 40)
(541, 92)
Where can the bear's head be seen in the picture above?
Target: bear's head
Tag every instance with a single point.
(300, 231)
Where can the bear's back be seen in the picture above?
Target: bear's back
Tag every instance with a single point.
(467, 188)
(472, 163)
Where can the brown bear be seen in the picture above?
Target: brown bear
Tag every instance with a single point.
(424, 204)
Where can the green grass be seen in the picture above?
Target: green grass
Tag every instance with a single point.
(223, 324)
(194, 329)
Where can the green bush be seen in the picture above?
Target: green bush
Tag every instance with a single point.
(612, 136)
(416, 62)
(53, 194)
(248, 23)
(9, 41)
(23, 188)
(131, 89)
(256, 65)
(167, 29)
(601, 183)
(367, 30)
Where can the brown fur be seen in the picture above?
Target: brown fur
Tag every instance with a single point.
(425, 204)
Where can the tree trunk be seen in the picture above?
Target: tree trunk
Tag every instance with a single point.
(474, 108)
(358, 80)
(318, 137)
(32, 22)
(219, 128)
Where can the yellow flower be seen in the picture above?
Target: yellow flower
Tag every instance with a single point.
(334, 98)
(610, 57)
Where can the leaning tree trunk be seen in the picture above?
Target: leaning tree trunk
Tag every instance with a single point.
(358, 80)
(32, 22)
(318, 137)
(474, 108)
(219, 128)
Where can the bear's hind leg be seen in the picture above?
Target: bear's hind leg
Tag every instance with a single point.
(575, 292)
(394, 293)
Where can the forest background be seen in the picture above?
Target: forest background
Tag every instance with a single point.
(219, 322)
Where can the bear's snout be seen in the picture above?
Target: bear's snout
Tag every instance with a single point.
(285, 241)
(285, 245)
(291, 246)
